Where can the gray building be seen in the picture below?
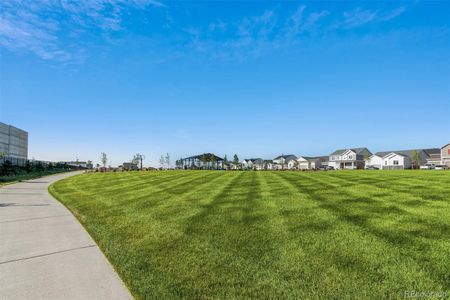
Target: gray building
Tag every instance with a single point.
(13, 144)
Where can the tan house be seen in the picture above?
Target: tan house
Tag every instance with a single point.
(445, 155)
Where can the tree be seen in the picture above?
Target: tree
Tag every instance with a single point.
(180, 163)
(39, 166)
(2, 156)
(236, 161)
(213, 160)
(162, 161)
(225, 161)
(203, 160)
(137, 159)
(416, 159)
(7, 168)
(103, 159)
(167, 160)
(28, 166)
(283, 162)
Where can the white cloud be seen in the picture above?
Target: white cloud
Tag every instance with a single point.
(359, 17)
(301, 22)
(41, 26)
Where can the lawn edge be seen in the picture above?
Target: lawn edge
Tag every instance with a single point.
(53, 193)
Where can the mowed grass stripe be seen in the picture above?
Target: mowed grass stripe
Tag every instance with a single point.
(397, 233)
(228, 235)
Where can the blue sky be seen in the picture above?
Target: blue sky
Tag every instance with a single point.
(253, 78)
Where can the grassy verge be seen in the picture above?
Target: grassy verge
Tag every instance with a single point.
(322, 235)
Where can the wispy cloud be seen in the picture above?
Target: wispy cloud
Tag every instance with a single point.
(301, 22)
(252, 36)
(360, 17)
(43, 27)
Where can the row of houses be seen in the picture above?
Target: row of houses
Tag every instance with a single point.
(352, 158)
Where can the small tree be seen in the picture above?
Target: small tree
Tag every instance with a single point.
(225, 161)
(236, 161)
(103, 159)
(162, 161)
(167, 160)
(7, 168)
(28, 167)
(416, 159)
(282, 162)
(39, 166)
(213, 160)
(203, 160)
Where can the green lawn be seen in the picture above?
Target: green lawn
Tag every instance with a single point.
(222, 235)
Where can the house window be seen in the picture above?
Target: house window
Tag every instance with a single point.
(395, 162)
(448, 151)
(350, 157)
(385, 162)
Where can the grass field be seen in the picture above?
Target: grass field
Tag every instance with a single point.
(320, 235)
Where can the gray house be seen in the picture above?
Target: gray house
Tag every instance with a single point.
(353, 158)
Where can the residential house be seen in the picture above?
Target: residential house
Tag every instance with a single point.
(268, 164)
(258, 164)
(353, 158)
(401, 159)
(311, 163)
(248, 164)
(445, 155)
(434, 156)
(282, 161)
(375, 160)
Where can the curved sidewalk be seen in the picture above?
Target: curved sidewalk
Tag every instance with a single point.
(44, 251)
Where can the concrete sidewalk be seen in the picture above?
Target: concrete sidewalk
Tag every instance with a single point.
(45, 253)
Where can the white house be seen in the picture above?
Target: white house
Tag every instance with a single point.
(402, 159)
(375, 160)
(250, 163)
(353, 158)
(282, 161)
(311, 163)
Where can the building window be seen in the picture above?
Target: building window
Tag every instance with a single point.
(448, 151)
(395, 162)
(385, 162)
(350, 157)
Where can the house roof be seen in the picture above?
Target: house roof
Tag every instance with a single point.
(286, 157)
(252, 159)
(207, 155)
(356, 150)
(445, 146)
(322, 158)
(433, 151)
(407, 153)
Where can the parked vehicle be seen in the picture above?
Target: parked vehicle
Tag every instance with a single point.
(326, 168)
(371, 168)
(427, 167)
(441, 167)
